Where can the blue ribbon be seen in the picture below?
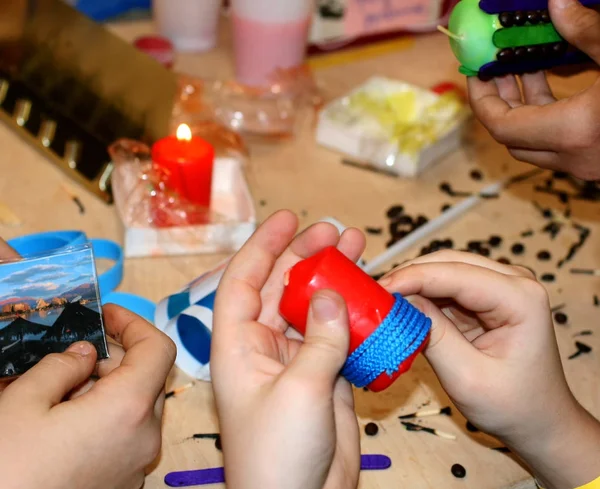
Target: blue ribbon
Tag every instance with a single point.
(400, 334)
(54, 241)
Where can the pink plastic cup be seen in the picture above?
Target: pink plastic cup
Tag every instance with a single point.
(269, 35)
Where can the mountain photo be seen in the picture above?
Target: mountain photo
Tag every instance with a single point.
(46, 304)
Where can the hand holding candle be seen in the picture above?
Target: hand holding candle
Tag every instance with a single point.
(373, 312)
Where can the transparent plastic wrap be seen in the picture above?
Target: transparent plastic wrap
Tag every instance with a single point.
(158, 220)
(394, 127)
(274, 111)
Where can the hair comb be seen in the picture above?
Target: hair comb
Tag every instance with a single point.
(493, 38)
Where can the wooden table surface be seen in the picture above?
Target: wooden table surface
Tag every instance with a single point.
(311, 181)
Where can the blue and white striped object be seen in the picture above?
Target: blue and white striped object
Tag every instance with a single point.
(187, 318)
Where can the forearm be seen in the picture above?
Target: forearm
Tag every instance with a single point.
(569, 457)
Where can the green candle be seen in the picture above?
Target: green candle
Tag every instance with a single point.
(472, 36)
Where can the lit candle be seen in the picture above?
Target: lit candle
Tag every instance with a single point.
(368, 302)
(188, 163)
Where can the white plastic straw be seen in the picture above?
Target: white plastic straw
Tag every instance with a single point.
(431, 227)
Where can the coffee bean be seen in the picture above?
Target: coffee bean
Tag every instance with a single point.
(371, 429)
(458, 471)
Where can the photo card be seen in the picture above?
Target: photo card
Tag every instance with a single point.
(46, 304)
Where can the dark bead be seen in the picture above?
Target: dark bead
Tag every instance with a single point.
(395, 211)
(471, 427)
(504, 261)
(421, 221)
(484, 251)
(548, 277)
(476, 175)
(404, 220)
(517, 249)
(446, 207)
(371, 429)
(547, 213)
(474, 245)
(520, 17)
(533, 17)
(366, 389)
(218, 445)
(400, 234)
(445, 187)
(534, 52)
(495, 241)
(458, 471)
(559, 48)
(436, 243)
(546, 50)
(563, 197)
(505, 55)
(544, 255)
(545, 16)
(375, 231)
(520, 53)
(561, 318)
(506, 19)
(448, 244)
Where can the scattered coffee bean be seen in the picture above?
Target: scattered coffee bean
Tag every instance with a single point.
(375, 231)
(371, 429)
(561, 318)
(518, 249)
(458, 471)
(495, 241)
(548, 277)
(395, 211)
(476, 175)
(504, 261)
(544, 255)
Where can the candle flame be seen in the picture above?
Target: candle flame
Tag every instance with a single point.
(184, 133)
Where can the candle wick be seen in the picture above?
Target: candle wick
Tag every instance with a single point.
(443, 30)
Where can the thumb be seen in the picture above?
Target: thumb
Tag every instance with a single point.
(48, 382)
(579, 25)
(326, 341)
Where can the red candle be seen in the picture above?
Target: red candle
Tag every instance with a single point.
(368, 302)
(188, 162)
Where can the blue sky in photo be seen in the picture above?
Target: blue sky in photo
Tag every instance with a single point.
(46, 277)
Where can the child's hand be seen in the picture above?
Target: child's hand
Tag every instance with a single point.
(537, 129)
(494, 349)
(104, 436)
(287, 418)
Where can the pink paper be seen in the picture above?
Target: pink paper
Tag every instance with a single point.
(373, 16)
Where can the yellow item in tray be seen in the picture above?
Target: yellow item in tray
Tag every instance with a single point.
(394, 126)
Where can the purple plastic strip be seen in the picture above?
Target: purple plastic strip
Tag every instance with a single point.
(499, 6)
(188, 478)
(497, 69)
(375, 462)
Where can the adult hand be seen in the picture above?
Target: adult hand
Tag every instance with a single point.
(287, 418)
(536, 128)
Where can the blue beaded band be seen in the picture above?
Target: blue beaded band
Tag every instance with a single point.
(400, 334)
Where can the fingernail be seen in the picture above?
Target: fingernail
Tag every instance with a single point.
(325, 308)
(385, 281)
(562, 3)
(82, 348)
